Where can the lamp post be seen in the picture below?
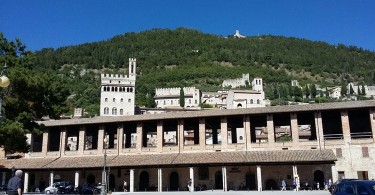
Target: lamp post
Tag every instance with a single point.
(4, 82)
(13, 170)
(104, 174)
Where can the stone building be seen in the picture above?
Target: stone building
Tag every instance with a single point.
(236, 149)
(117, 96)
(170, 97)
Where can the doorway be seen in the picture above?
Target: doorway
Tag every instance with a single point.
(174, 181)
(218, 180)
(144, 181)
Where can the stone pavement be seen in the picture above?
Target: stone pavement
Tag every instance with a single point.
(216, 192)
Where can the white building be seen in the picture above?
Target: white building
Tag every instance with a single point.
(117, 95)
(245, 99)
(335, 92)
(170, 97)
(235, 83)
(238, 35)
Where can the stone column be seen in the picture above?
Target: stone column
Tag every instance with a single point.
(334, 173)
(26, 182)
(76, 179)
(160, 180)
(101, 135)
(181, 134)
(224, 133)
(45, 142)
(139, 136)
(202, 133)
(270, 129)
(345, 125)
(3, 181)
(63, 140)
(159, 136)
(319, 128)
(131, 180)
(372, 122)
(247, 131)
(191, 171)
(120, 138)
(225, 182)
(51, 176)
(259, 177)
(81, 139)
(294, 128)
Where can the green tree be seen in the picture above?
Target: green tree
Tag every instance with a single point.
(351, 90)
(363, 90)
(313, 91)
(344, 89)
(307, 91)
(33, 93)
(182, 97)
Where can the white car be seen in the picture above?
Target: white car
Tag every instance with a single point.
(51, 190)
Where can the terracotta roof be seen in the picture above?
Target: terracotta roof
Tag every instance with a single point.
(213, 113)
(78, 162)
(28, 163)
(139, 160)
(174, 159)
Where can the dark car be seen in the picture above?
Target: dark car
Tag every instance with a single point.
(333, 186)
(355, 187)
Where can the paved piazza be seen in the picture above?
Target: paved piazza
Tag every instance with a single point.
(322, 192)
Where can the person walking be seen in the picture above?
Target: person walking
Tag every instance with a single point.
(15, 184)
(125, 186)
(190, 185)
(283, 185)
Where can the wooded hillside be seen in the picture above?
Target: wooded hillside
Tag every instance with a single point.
(185, 57)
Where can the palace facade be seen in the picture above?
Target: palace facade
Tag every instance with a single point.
(238, 149)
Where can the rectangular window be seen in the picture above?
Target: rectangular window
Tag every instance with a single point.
(341, 174)
(339, 152)
(365, 152)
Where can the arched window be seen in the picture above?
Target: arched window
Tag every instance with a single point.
(122, 100)
(129, 100)
(121, 111)
(106, 110)
(113, 89)
(106, 99)
(114, 111)
(116, 89)
(114, 100)
(258, 101)
(131, 89)
(127, 89)
(251, 101)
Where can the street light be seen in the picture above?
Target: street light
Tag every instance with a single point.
(104, 174)
(13, 170)
(4, 82)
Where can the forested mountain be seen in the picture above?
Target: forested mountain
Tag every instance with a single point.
(185, 57)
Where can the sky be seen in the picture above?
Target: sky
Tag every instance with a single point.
(57, 23)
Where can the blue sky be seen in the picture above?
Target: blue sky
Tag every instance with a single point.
(51, 23)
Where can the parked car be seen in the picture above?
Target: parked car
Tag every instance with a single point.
(355, 187)
(61, 187)
(333, 186)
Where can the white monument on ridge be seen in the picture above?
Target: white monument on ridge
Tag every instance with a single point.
(117, 96)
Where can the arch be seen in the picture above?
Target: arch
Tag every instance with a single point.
(218, 180)
(114, 111)
(112, 182)
(239, 105)
(250, 181)
(251, 101)
(319, 177)
(258, 101)
(144, 181)
(106, 110)
(121, 111)
(174, 181)
(90, 179)
(271, 184)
